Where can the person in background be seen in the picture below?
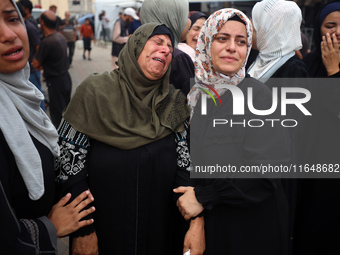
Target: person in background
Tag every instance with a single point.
(124, 136)
(87, 34)
(53, 8)
(120, 33)
(28, 6)
(135, 23)
(67, 29)
(277, 37)
(105, 27)
(30, 219)
(189, 46)
(34, 41)
(174, 14)
(318, 207)
(243, 214)
(52, 57)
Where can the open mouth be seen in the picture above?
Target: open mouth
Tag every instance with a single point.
(160, 60)
(13, 53)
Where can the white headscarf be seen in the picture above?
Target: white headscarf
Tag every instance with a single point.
(20, 116)
(172, 13)
(206, 75)
(278, 36)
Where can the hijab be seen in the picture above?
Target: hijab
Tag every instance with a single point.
(324, 12)
(123, 108)
(172, 13)
(206, 75)
(194, 16)
(21, 117)
(278, 36)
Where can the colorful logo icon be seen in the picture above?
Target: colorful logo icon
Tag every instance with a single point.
(211, 95)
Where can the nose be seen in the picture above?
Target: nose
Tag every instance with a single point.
(7, 34)
(231, 46)
(337, 32)
(165, 49)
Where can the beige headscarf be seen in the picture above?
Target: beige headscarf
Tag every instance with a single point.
(125, 109)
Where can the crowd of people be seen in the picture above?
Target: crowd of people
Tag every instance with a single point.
(114, 166)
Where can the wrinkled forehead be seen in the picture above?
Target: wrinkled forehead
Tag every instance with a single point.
(163, 37)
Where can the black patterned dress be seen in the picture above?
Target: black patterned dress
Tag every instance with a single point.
(133, 190)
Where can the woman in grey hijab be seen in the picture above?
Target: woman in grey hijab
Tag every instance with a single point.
(30, 224)
(174, 14)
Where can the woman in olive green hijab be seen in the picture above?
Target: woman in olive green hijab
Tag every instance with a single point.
(123, 136)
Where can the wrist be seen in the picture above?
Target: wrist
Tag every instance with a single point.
(332, 71)
(197, 222)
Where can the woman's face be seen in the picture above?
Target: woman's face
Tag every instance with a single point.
(194, 32)
(156, 56)
(185, 31)
(14, 46)
(229, 48)
(331, 25)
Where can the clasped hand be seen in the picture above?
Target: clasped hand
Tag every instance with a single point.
(187, 203)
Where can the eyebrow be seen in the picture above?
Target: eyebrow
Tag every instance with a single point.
(242, 36)
(330, 23)
(9, 11)
(162, 40)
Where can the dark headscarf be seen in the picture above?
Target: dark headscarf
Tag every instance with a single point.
(195, 15)
(123, 108)
(323, 13)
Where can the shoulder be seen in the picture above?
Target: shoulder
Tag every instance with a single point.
(294, 67)
(95, 84)
(181, 58)
(260, 91)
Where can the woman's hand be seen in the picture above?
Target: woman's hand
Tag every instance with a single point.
(195, 237)
(330, 53)
(187, 203)
(66, 218)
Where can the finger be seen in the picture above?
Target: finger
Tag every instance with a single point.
(84, 213)
(84, 203)
(329, 41)
(63, 201)
(335, 41)
(185, 248)
(181, 189)
(80, 198)
(84, 223)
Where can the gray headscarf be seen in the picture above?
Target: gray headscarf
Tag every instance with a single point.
(20, 116)
(172, 13)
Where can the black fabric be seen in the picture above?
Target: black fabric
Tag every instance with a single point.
(182, 70)
(244, 216)
(87, 43)
(293, 68)
(135, 210)
(318, 221)
(17, 207)
(52, 54)
(59, 92)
